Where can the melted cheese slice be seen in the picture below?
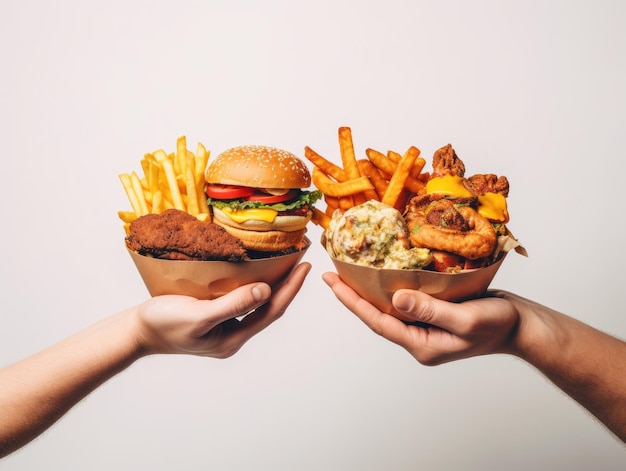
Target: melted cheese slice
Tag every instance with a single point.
(449, 185)
(255, 214)
(490, 205)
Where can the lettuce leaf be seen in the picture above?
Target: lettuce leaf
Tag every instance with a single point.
(305, 198)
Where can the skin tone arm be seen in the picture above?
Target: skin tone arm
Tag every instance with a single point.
(587, 364)
(38, 390)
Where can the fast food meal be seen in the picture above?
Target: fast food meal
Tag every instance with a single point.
(176, 244)
(458, 221)
(257, 194)
(250, 196)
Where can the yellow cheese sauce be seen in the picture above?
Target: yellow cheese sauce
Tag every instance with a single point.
(490, 205)
(257, 214)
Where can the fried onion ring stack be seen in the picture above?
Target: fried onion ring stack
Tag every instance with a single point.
(458, 218)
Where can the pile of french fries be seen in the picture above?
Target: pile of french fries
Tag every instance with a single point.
(174, 180)
(389, 178)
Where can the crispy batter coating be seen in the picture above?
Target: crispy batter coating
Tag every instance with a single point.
(177, 235)
(446, 162)
(480, 184)
(438, 222)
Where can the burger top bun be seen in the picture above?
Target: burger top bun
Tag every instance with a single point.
(258, 167)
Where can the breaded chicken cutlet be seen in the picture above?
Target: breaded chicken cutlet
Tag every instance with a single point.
(177, 235)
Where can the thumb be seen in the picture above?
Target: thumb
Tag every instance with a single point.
(240, 301)
(417, 305)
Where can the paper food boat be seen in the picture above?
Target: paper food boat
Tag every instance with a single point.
(211, 279)
(377, 285)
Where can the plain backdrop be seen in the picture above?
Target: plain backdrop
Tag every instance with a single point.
(533, 90)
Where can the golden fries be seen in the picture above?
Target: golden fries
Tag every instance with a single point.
(400, 176)
(324, 165)
(346, 148)
(173, 180)
(340, 189)
(390, 178)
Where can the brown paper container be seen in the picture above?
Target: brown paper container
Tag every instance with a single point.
(211, 279)
(377, 285)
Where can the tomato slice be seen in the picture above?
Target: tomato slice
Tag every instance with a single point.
(266, 198)
(228, 192)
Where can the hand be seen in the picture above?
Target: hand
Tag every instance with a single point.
(457, 330)
(181, 324)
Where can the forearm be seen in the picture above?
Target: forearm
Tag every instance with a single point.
(38, 390)
(587, 364)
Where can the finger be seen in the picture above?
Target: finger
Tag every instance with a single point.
(276, 307)
(425, 308)
(238, 302)
(457, 318)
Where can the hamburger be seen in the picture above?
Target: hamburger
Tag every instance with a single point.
(257, 194)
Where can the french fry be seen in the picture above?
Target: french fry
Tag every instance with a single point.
(346, 202)
(172, 184)
(160, 155)
(130, 193)
(180, 157)
(380, 184)
(157, 202)
(339, 189)
(381, 161)
(192, 192)
(153, 176)
(332, 203)
(320, 218)
(388, 167)
(127, 216)
(417, 167)
(138, 189)
(325, 165)
(400, 176)
(361, 198)
(415, 185)
(202, 160)
(348, 159)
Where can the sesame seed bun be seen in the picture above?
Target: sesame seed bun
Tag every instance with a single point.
(259, 167)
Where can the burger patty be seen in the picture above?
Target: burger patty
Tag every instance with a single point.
(177, 235)
(303, 211)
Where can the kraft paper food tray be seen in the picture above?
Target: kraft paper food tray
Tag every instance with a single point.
(377, 285)
(211, 279)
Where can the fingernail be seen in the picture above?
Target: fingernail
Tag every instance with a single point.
(404, 302)
(258, 292)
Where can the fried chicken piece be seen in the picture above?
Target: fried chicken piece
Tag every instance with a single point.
(480, 184)
(446, 162)
(177, 235)
(439, 222)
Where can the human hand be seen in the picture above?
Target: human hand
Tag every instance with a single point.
(182, 324)
(457, 330)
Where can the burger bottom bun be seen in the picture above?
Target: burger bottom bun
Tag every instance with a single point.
(280, 223)
(266, 241)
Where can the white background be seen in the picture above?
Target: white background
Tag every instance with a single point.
(533, 90)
